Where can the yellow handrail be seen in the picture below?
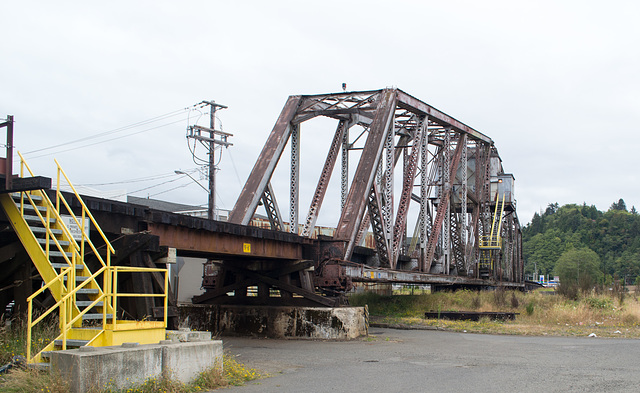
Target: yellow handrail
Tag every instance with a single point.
(108, 294)
(129, 269)
(84, 208)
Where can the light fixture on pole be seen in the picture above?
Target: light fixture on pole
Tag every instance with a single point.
(192, 178)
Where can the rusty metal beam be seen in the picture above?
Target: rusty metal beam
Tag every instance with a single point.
(351, 217)
(198, 242)
(442, 208)
(263, 169)
(413, 104)
(325, 176)
(407, 188)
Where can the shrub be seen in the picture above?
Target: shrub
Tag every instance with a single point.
(530, 308)
(600, 302)
(570, 291)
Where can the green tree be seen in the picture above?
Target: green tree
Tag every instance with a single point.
(620, 205)
(578, 267)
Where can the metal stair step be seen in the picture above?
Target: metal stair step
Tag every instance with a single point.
(86, 303)
(79, 266)
(72, 343)
(59, 254)
(78, 278)
(29, 206)
(88, 291)
(93, 316)
(17, 195)
(43, 230)
(63, 243)
(44, 366)
(28, 218)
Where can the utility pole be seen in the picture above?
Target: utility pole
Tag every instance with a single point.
(8, 167)
(196, 133)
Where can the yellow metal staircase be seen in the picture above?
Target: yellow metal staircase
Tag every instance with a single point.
(86, 301)
(491, 244)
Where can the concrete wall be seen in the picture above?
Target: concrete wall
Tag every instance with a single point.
(123, 367)
(277, 322)
(189, 271)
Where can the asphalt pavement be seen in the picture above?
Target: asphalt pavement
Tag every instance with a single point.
(435, 361)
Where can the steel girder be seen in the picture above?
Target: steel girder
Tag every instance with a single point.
(454, 207)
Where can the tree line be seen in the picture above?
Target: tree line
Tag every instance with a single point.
(584, 245)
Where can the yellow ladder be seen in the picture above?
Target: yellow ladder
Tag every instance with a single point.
(493, 241)
(82, 297)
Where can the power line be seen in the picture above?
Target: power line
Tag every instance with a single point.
(109, 140)
(171, 189)
(136, 180)
(147, 188)
(116, 130)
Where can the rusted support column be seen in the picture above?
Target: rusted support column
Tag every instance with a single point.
(443, 209)
(263, 169)
(325, 176)
(407, 188)
(294, 183)
(272, 209)
(351, 217)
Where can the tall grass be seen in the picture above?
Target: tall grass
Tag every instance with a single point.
(13, 337)
(534, 308)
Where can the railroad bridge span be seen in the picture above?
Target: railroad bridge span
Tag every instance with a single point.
(430, 190)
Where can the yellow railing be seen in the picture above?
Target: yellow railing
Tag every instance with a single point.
(490, 241)
(65, 304)
(81, 223)
(69, 314)
(494, 240)
(127, 269)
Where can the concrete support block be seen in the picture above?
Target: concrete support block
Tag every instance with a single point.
(114, 367)
(185, 335)
(340, 323)
(124, 366)
(184, 361)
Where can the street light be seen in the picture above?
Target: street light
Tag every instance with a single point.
(210, 208)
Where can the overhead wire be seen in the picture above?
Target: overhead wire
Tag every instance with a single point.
(108, 140)
(114, 131)
(136, 180)
(150, 187)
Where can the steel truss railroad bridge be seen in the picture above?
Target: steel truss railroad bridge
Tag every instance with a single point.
(430, 191)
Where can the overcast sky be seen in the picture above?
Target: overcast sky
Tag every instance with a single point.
(555, 84)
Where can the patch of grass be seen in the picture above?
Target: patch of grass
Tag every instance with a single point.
(237, 373)
(32, 381)
(539, 312)
(13, 337)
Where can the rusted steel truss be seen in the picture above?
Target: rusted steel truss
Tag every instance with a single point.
(448, 171)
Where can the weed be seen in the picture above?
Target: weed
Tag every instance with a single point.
(236, 373)
(530, 308)
(499, 297)
(475, 303)
(32, 381)
(600, 302)
(13, 337)
(514, 300)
